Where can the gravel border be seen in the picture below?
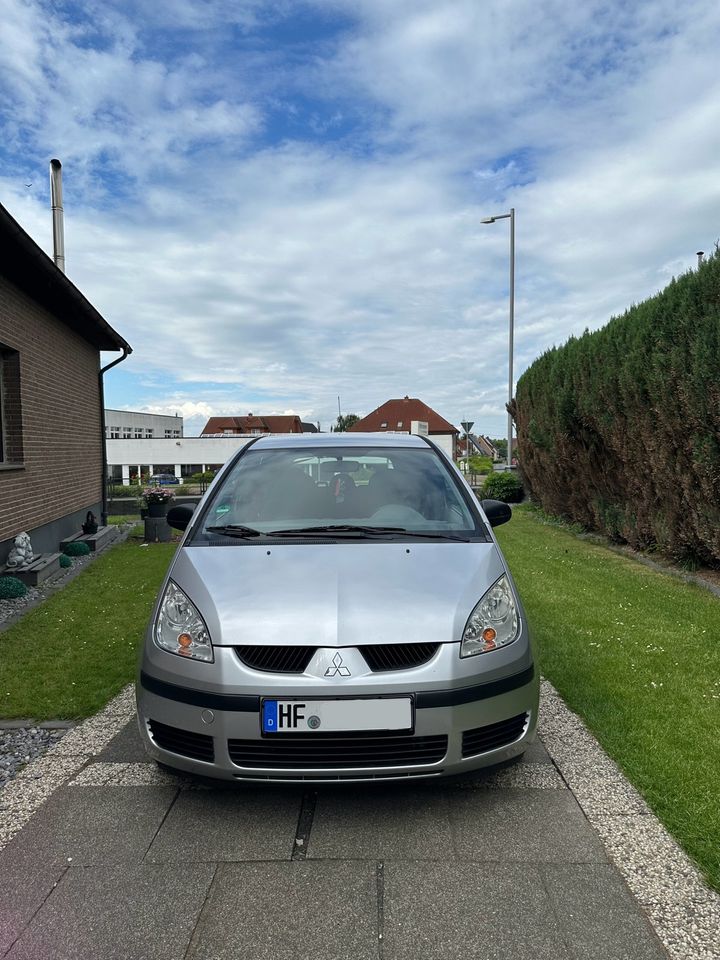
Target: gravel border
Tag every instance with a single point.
(684, 912)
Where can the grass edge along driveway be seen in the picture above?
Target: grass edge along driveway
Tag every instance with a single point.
(636, 653)
(66, 658)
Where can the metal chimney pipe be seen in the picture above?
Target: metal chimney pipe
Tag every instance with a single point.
(57, 214)
(700, 255)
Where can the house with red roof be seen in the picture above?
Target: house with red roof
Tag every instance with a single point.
(410, 415)
(251, 424)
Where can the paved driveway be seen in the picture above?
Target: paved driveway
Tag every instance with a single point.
(125, 861)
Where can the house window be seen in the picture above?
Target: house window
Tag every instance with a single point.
(383, 424)
(114, 433)
(11, 449)
(176, 433)
(400, 423)
(168, 434)
(149, 432)
(138, 433)
(127, 433)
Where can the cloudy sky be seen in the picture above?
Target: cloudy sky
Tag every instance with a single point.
(278, 202)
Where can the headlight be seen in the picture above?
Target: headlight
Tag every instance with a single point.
(493, 623)
(180, 629)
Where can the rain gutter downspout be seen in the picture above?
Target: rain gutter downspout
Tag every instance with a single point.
(126, 351)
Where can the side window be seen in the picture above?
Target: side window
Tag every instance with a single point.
(11, 441)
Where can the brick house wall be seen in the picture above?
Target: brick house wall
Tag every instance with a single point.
(55, 429)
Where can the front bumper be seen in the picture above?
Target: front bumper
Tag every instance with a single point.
(484, 723)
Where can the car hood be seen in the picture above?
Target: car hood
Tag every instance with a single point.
(337, 594)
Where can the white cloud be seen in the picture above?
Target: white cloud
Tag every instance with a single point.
(285, 273)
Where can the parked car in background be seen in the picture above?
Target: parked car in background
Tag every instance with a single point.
(163, 480)
(339, 609)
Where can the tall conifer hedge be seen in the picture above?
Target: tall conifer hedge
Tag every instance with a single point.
(619, 429)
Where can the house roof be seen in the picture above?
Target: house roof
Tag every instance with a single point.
(279, 424)
(27, 266)
(398, 414)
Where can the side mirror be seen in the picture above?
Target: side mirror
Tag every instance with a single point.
(496, 511)
(180, 517)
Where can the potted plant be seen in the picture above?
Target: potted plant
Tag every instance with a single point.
(157, 500)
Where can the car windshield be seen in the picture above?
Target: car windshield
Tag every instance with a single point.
(353, 492)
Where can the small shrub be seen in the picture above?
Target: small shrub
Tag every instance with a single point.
(11, 588)
(480, 464)
(77, 549)
(65, 560)
(503, 486)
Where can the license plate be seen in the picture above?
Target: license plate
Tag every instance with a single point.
(323, 716)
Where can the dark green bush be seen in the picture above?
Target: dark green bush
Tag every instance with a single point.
(65, 560)
(503, 486)
(77, 549)
(619, 430)
(11, 588)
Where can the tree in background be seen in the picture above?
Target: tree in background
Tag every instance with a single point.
(344, 423)
(501, 447)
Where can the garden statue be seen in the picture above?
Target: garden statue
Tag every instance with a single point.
(21, 554)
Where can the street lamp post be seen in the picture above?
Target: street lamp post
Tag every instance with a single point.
(511, 217)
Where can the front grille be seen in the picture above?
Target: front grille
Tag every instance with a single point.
(381, 657)
(198, 746)
(330, 752)
(276, 659)
(493, 736)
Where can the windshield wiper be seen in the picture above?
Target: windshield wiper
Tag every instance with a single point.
(336, 529)
(234, 530)
(341, 529)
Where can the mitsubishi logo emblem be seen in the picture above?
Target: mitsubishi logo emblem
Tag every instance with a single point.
(336, 667)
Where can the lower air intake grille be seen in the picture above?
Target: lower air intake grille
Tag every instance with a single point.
(329, 752)
(493, 736)
(198, 746)
(276, 659)
(397, 656)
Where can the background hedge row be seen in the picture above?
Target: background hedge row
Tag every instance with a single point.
(619, 429)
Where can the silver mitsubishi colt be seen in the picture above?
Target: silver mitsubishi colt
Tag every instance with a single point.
(338, 609)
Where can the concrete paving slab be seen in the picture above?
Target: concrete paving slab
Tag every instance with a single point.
(236, 824)
(289, 911)
(536, 753)
(598, 914)
(25, 887)
(522, 825)
(139, 912)
(96, 825)
(381, 824)
(125, 747)
(440, 911)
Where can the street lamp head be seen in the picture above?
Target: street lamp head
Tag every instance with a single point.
(488, 220)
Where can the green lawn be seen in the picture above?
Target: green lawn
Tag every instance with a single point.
(66, 658)
(636, 653)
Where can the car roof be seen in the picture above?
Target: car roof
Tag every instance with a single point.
(299, 440)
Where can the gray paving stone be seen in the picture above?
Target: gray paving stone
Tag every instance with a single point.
(139, 912)
(536, 753)
(439, 911)
(95, 825)
(381, 824)
(125, 747)
(24, 889)
(522, 825)
(598, 914)
(234, 824)
(289, 911)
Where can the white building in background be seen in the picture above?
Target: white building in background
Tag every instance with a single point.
(133, 425)
(129, 459)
